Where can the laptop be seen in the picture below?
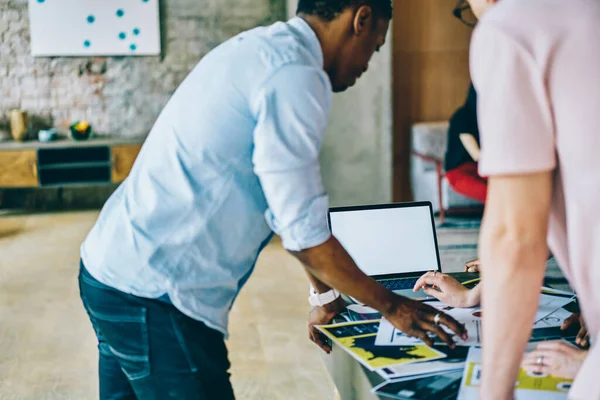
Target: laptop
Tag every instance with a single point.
(392, 243)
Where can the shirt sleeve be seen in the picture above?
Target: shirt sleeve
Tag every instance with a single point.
(514, 114)
(292, 110)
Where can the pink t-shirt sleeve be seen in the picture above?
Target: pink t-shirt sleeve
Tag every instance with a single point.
(515, 120)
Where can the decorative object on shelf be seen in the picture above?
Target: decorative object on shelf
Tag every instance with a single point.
(47, 135)
(94, 28)
(19, 124)
(81, 130)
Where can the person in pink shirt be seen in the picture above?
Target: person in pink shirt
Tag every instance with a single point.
(536, 69)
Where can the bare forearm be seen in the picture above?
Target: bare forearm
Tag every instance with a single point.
(511, 279)
(319, 286)
(331, 265)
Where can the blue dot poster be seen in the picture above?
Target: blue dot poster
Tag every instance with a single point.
(94, 27)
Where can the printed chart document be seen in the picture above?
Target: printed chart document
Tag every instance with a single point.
(358, 340)
(529, 386)
(549, 303)
(551, 320)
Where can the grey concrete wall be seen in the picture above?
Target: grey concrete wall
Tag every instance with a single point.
(356, 158)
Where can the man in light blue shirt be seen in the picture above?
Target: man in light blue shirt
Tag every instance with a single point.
(232, 158)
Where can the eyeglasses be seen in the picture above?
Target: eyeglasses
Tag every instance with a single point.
(463, 12)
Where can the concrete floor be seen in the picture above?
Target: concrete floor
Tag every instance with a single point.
(47, 347)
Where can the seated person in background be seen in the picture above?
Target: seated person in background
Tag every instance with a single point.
(557, 358)
(462, 153)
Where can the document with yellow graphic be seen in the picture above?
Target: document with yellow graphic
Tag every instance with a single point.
(358, 339)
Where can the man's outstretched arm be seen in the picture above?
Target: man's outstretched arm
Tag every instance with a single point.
(332, 265)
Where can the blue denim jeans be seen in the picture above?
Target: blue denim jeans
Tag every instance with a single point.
(149, 350)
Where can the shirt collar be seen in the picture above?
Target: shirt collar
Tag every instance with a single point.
(308, 37)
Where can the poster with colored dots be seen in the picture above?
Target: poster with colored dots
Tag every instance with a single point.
(94, 27)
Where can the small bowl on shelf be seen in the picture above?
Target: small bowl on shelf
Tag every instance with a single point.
(81, 130)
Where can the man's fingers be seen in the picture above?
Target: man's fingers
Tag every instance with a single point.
(584, 341)
(582, 337)
(423, 336)
(319, 339)
(454, 326)
(442, 334)
(572, 319)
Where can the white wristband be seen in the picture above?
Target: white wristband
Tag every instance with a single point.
(320, 299)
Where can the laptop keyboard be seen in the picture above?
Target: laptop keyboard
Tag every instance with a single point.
(399, 284)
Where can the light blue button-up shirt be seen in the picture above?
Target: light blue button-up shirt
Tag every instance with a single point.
(232, 157)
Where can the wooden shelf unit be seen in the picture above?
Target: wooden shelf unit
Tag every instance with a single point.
(66, 162)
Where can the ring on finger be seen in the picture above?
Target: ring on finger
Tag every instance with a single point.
(540, 360)
(436, 319)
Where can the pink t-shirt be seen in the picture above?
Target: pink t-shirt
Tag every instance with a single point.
(536, 68)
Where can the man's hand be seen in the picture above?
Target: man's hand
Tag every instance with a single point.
(331, 264)
(473, 265)
(416, 319)
(576, 320)
(323, 316)
(447, 289)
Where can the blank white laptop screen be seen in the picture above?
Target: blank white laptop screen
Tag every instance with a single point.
(387, 240)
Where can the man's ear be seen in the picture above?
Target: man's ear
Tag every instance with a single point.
(362, 20)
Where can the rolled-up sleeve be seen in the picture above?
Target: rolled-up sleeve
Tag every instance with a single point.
(515, 117)
(292, 110)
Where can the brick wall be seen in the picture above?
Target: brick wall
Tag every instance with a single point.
(120, 96)
(123, 95)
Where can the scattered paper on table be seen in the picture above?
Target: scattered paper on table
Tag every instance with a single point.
(550, 313)
(388, 335)
(549, 303)
(555, 319)
(358, 340)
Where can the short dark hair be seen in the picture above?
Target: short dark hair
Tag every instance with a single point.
(329, 9)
